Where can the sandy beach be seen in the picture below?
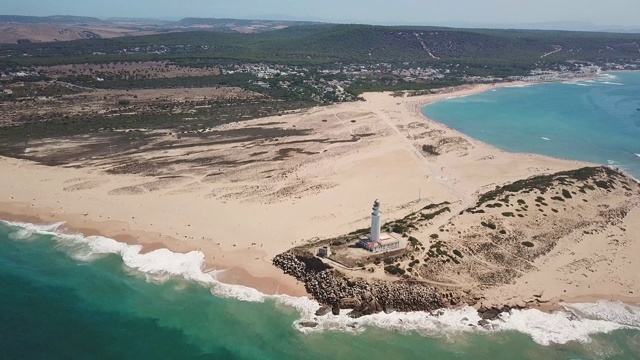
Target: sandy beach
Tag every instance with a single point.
(251, 190)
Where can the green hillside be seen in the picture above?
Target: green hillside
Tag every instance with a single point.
(352, 43)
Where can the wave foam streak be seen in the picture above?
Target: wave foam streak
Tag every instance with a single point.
(544, 328)
(611, 311)
(158, 265)
(558, 327)
(577, 323)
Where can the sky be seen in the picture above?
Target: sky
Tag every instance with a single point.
(415, 12)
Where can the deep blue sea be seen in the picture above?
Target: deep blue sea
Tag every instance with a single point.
(594, 120)
(71, 297)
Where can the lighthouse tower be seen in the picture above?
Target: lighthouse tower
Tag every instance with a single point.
(375, 222)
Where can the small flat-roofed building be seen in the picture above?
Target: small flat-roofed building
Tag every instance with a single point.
(324, 252)
(389, 244)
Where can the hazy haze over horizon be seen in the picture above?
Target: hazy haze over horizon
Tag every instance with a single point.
(621, 13)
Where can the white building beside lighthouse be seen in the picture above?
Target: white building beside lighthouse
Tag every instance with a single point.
(377, 242)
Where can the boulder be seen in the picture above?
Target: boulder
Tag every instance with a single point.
(376, 307)
(309, 324)
(520, 304)
(484, 323)
(370, 308)
(490, 314)
(335, 309)
(324, 310)
(349, 303)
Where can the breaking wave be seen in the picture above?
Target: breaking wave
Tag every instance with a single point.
(576, 323)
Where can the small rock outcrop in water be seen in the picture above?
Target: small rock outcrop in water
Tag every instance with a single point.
(334, 289)
(309, 324)
(324, 310)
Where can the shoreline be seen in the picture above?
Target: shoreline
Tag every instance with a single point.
(481, 90)
(238, 272)
(550, 306)
(570, 323)
(270, 283)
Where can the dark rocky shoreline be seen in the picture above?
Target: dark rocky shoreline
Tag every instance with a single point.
(335, 291)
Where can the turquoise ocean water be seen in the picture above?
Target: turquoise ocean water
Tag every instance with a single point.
(596, 120)
(71, 297)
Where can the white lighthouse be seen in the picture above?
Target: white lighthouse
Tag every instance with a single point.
(375, 222)
(377, 242)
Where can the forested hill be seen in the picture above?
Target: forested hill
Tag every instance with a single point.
(349, 43)
(410, 43)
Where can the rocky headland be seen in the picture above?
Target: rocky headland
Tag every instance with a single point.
(508, 233)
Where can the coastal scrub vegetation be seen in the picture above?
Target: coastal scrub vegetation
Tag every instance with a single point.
(430, 149)
(543, 183)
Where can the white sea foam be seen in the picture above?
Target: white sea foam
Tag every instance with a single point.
(546, 139)
(26, 230)
(580, 82)
(238, 292)
(608, 76)
(638, 155)
(158, 265)
(607, 79)
(558, 327)
(544, 328)
(577, 324)
(616, 165)
(616, 312)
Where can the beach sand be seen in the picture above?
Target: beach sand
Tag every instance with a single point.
(248, 191)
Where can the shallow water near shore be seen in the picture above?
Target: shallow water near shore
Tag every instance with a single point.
(595, 120)
(66, 296)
